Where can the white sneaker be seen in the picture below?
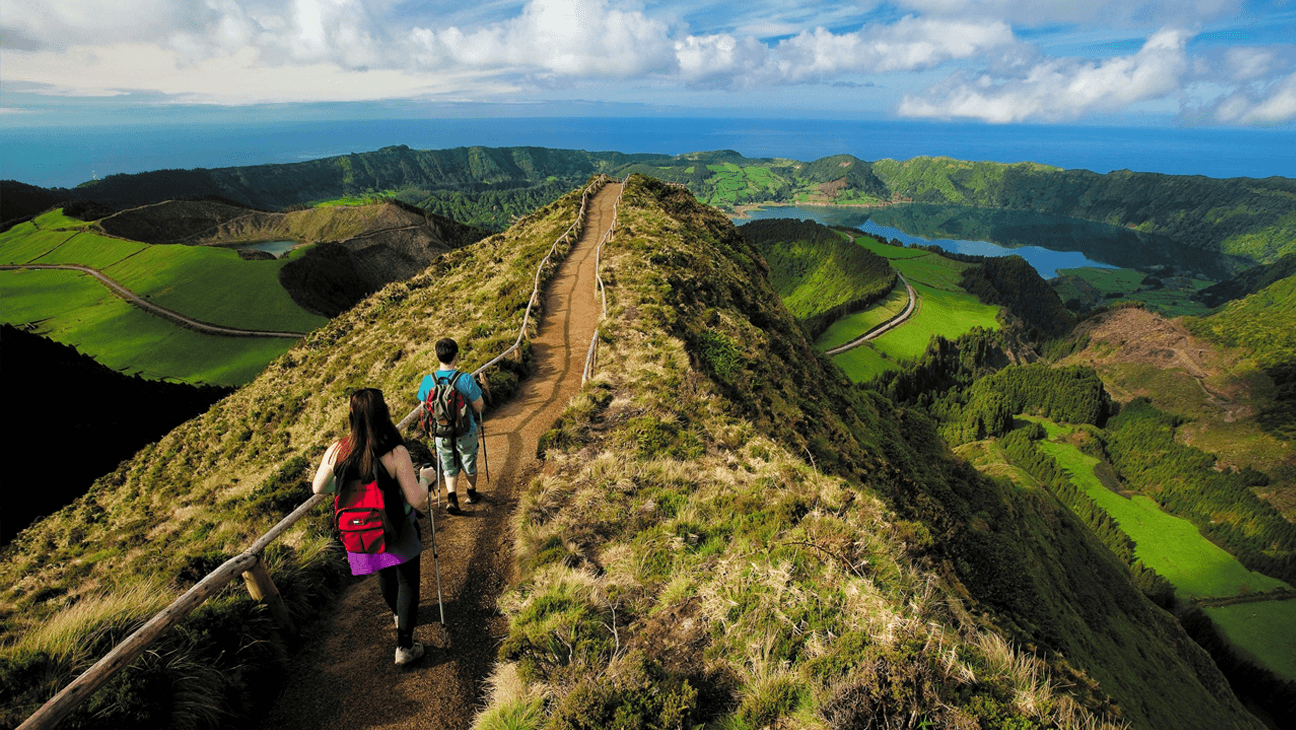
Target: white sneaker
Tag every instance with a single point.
(396, 620)
(405, 656)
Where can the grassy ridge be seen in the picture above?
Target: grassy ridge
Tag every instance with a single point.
(697, 539)
(78, 581)
(819, 273)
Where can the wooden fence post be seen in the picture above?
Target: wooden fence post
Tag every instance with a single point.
(263, 589)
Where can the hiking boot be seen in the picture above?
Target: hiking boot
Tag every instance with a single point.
(405, 656)
(472, 496)
(452, 504)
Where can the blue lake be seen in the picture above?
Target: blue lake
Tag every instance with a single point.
(1047, 242)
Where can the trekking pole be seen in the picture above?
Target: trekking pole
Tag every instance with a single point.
(436, 562)
(485, 456)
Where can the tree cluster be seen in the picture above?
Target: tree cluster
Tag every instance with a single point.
(1141, 446)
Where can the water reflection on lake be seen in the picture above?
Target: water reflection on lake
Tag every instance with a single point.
(1047, 242)
(276, 248)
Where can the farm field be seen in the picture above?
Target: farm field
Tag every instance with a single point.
(888, 251)
(1172, 298)
(1251, 626)
(940, 312)
(207, 283)
(73, 308)
(1195, 566)
(849, 327)
(215, 285)
(1169, 545)
(934, 270)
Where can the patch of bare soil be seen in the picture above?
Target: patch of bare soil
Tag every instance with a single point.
(1231, 394)
(345, 677)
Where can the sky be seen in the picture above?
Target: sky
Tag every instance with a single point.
(1177, 63)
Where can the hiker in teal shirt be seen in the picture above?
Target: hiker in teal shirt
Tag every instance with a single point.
(456, 454)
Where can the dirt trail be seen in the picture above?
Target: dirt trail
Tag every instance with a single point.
(344, 677)
(170, 315)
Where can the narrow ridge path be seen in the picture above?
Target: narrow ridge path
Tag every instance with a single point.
(344, 676)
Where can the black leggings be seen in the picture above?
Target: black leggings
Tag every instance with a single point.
(399, 586)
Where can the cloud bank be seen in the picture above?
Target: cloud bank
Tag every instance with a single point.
(985, 53)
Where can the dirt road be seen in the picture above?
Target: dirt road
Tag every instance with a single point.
(344, 678)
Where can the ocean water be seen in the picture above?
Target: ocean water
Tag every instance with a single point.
(66, 156)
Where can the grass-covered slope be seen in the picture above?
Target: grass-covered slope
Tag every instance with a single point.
(1241, 216)
(77, 581)
(727, 531)
(819, 273)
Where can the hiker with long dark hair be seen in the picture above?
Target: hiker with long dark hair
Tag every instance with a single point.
(373, 456)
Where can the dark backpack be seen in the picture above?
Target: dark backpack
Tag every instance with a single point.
(361, 517)
(445, 410)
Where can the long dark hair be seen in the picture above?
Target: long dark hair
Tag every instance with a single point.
(372, 435)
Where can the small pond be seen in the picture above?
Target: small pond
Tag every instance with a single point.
(275, 248)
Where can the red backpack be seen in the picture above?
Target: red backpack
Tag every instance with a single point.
(361, 517)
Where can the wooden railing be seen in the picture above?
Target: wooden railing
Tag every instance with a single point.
(591, 357)
(249, 563)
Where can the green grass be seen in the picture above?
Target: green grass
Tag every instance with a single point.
(945, 313)
(24, 243)
(1265, 629)
(933, 270)
(95, 251)
(864, 363)
(852, 325)
(75, 309)
(214, 285)
(1169, 545)
(353, 200)
(887, 251)
(1107, 280)
(55, 219)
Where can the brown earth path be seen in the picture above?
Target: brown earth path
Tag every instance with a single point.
(344, 677)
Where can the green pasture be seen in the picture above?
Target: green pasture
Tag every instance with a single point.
(862, 364)
(1169, 545)
(93, 250)
(215, 285)
(949, 314)
(1264, 629)
(1107, 280)
(55, 219)
(24, 243)
(853, 325)
(355, 200)
(73, 308)
(933, 270)
(887, 251)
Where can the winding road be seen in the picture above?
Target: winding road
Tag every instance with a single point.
(886, 326)
(168, 314)
(344, 677)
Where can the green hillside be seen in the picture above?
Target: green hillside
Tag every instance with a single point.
(488, 187)
(819, 273)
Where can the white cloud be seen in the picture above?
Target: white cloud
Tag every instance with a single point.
(1268, 105)
(236, 78)
(565, 37)
(1088, 13)
(1060, 89)
(816, 56)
